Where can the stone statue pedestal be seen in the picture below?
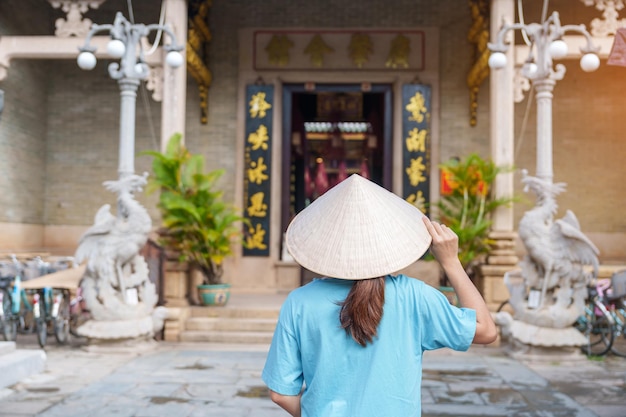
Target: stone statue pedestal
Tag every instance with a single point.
(528, 342)
(117, 329)
(545, 337)
(545, 355)
(119, 336)
(135, 346)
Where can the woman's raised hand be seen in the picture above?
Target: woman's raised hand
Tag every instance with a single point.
(445, 244)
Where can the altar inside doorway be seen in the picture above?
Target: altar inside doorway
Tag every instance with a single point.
(334, 131)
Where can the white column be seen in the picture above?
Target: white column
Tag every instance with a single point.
(173, 106)
(543, 95)
(501, 108)
(128, 92)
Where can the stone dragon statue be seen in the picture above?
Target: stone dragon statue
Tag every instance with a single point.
(560, 261)
(116, 284)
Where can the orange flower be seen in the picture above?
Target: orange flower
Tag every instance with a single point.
(482, 188)
(447, 184)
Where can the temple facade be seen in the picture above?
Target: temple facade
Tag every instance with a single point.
(289, 97)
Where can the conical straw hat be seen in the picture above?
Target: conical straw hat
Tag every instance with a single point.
(357, 230)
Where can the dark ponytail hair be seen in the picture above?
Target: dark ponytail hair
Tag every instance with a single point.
(362, 309)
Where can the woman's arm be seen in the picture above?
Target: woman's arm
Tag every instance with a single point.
(445, 249)
(290, 403)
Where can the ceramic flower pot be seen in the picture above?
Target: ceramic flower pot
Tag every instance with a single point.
(214, 295)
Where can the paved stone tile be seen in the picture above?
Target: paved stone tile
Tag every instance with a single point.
(29, 407)
(609, 410)
(194, 380)
(502, 396)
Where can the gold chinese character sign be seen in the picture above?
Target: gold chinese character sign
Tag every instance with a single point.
(416, 107)
(258, 168)
(341, 49)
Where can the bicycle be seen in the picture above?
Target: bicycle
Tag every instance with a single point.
(42, 299)
(64, 306)
(42, 310)
(619, 315)
(596, 323)
(51, 304)
(6, 309)
(615, 302)
(52, 314)
(17, 310)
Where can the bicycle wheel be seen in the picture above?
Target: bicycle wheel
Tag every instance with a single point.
(9, 325)
(62, 320)
(41, 328)
(39, 318)
(619, 342)
(598, 332)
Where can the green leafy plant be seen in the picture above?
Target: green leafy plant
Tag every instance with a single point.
(467, 202)
(196, 222)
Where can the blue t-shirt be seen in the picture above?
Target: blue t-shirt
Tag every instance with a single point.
(341, 378)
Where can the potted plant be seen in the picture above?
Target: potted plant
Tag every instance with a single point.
(197, 223)
(467, 202)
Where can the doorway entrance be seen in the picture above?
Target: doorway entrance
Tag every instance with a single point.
(331, 131)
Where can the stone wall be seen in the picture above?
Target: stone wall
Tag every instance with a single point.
(23, 122)
(83, 141)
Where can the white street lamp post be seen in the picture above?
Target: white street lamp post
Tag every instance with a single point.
(545, 46)
(132, 68)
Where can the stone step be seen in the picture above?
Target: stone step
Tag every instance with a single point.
(18, 364)
(7, 347)
(235, 312)
(247, 318)
(226, 337)
(231, 324)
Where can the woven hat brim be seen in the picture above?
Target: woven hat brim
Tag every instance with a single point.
(357, 230)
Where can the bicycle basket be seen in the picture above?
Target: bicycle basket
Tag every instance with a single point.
(618, 284)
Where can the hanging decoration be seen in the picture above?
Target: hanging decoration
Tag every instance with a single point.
(416, 108)
(257, 181)
(198, 38)
(478, 35)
